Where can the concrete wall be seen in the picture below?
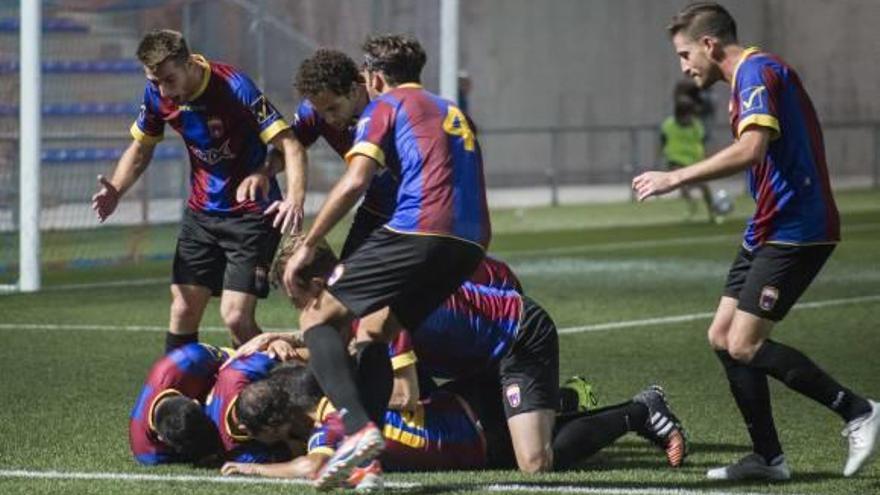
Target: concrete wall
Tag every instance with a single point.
(575, 63)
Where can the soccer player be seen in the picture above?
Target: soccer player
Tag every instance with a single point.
(238, 444)
(227, 239)
(778, 141)
(458, 426)
(167, 423)
(436, 236)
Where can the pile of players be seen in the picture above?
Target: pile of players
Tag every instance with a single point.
(414, 299)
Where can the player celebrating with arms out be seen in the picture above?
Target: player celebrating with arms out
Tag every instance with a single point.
(436, 237)
(778, 141)
(227, 239)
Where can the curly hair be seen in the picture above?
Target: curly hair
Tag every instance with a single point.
(160, 45)
(400, 57)
(326, 70)
(289, 393)
(323, 264)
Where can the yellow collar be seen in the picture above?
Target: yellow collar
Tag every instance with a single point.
(206, 75)
(409, 85)
(742, 58)
(152, 409)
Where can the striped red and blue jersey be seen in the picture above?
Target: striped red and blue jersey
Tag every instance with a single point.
(442, 433)
(790, 185)
(190, 370)
(474, 327)
(308, 126)
(225, 128)
(430, 146)
(220, 406)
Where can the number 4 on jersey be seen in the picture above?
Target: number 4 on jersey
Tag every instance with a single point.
(456, 124)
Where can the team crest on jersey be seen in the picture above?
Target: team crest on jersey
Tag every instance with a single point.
(511, 393)
(215, 127)
(262, 109)
(769, 296)
(752, 98)
(337, 272)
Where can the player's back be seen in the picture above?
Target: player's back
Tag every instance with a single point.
(430, 145)
(474, 327)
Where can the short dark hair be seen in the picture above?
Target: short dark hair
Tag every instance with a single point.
(185, 427)
(160, 45)
(329, 70)
(290, 392)
(322, 265)
(704, 19)
(400, 57)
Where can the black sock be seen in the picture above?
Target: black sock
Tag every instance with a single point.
(332, 367)
(752, 395)
(175, 340)
(581, 435)
(375, 378)
(799, 373)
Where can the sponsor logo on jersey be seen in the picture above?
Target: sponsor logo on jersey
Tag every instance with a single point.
(769, 296)
(213, 156)
(752, 98)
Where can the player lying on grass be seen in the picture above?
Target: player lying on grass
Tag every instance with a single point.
(167, 423)
(488, 331)
(459, 426)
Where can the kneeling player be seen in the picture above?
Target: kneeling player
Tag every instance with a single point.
(167, 423)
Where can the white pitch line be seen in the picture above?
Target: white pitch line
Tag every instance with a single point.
(665, 320)
(74, 475)
(596, 327)
(607, 491)
(241, 480)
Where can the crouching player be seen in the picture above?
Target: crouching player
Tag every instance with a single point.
(459, 426)
(167, 423)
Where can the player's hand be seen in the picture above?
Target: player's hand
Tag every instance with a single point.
(104, 201)
(296, 287)
(282, 350)
(288, 216)
(232, 468)
(257, 344)
(253, 188)
(653, 184)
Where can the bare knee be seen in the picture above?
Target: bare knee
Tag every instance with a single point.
(536, 462)
(182, 309)
(742, 351)
(237, 320)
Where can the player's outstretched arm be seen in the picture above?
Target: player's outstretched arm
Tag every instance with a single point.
(289, 212)
(131, 165)
(302, 467)
(749, 149)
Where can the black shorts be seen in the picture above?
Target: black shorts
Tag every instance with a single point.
(225, 252)
(769, 280)
(530, 370)
(412, 274)
(364, 223)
